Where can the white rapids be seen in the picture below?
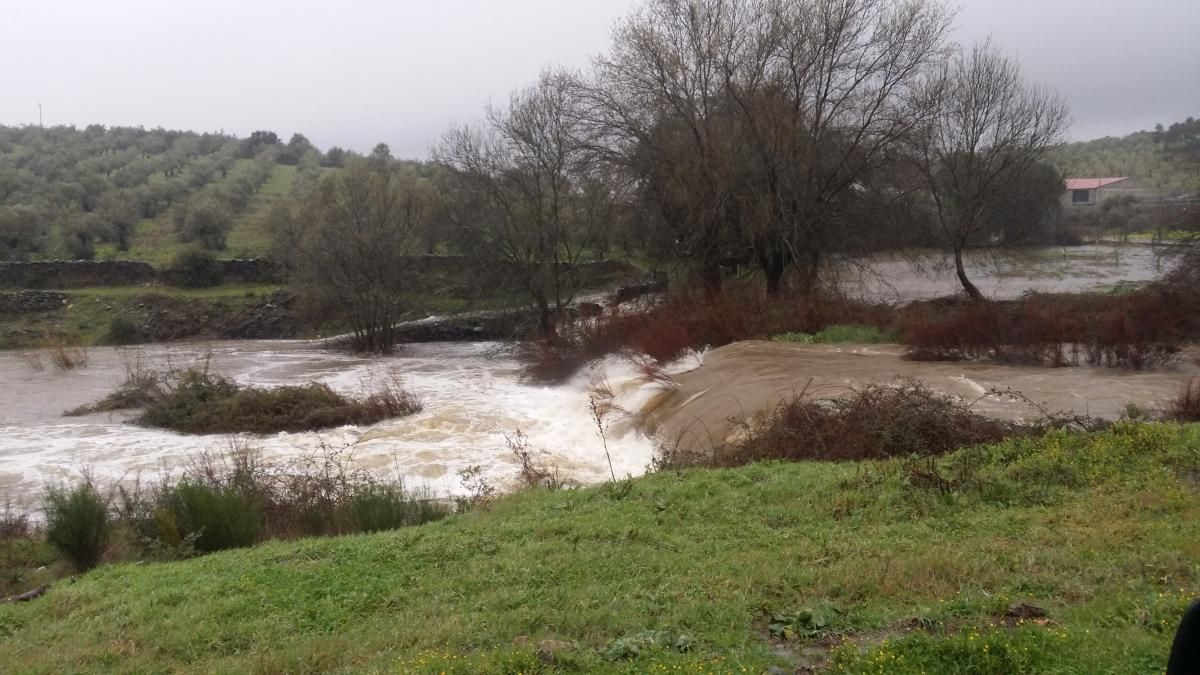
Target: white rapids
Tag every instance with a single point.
(472, 394)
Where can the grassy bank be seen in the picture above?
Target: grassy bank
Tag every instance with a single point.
(87, 316)
(853, 567)
(179, 313)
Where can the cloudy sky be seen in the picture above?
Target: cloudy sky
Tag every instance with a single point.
(357, 72)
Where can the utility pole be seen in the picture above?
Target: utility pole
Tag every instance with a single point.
(39, 113)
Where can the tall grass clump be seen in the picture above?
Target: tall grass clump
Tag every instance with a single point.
(235, 499)
(77, 523)
(66, 352)
(1185, 407)
(379, 506)
(214, 518)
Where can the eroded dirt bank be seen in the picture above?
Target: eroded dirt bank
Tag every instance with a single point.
(745, 380)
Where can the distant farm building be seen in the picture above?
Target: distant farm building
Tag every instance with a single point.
(1095, 191)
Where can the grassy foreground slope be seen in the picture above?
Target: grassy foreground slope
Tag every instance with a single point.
(871, 567)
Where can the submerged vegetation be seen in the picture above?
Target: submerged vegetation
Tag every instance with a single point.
(197, 401)
(905, 420)
(1142, 328)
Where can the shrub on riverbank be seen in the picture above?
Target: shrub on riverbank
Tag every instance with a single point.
(77, 523)
(1136, 330)
(1185, 407)
(838, 333)
(218, 501)
(195, 400)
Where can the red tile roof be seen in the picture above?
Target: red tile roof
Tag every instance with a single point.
(1091, 183)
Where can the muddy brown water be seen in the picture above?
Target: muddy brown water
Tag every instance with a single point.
(474, 396)
(922, 274)
(744, 380)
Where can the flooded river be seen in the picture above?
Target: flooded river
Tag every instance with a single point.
(473, 395)
(746, 379)
(1076, 269)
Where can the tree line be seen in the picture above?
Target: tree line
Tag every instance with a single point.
(775, 135)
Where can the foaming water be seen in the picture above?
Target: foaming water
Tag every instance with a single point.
(472, 394)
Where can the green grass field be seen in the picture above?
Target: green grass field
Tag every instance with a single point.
(848, 568)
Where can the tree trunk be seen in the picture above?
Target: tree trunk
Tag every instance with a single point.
(969, 287)
(773, 265)
(546, 321)
(808, 272)
(710, 279)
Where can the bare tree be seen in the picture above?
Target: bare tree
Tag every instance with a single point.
(350, 237)
(531, 199)
(751, 123)
(649, 109)
(989, 128)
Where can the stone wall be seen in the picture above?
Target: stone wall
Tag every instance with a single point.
(76, 274)
(23, 302)
(90, 273)
(453, 276)
(252, 271)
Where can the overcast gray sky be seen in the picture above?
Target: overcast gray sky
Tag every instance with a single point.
(356, 72)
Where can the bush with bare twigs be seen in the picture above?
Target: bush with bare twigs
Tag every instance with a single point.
(1136, 330)
(877, 422)
(196, 400)
(66, 352)
(1185, 407)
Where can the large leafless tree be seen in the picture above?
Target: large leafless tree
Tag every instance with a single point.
(533, 200)
(988, 131)
(749, 124)
(349, 239)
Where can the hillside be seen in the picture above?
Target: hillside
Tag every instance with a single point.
(133, 193)
(845, 568)
(1140, 155)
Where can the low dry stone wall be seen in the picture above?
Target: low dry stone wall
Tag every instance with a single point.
(24, 302)
(54, 274)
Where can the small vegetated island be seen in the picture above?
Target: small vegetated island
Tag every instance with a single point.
(195, 400)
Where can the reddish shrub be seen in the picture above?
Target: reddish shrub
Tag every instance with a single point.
(549, 360)
(1138, 330)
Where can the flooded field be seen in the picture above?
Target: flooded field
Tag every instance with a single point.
(474, 396)
(896, 278)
